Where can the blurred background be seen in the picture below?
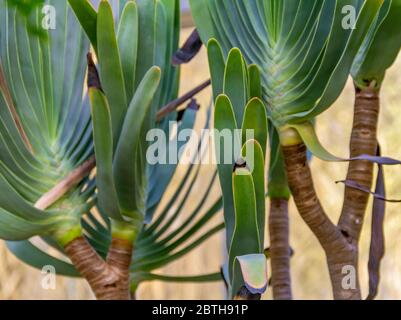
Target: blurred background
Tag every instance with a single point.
(309, 273)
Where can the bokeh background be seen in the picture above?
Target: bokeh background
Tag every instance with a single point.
(308, 267)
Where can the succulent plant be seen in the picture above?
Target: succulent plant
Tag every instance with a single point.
(51, 139)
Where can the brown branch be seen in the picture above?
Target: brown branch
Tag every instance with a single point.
(69, 182)
(173, 105)
(108, 280)
(339, 252)
(11, 107)
(189, 50)
(363, 141)
(280, 251)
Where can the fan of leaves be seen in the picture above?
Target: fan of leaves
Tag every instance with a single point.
(47, 130)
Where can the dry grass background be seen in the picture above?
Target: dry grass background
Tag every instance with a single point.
(308, 268)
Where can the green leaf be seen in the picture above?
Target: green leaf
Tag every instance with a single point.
(308, 135)
(235, 83)
(225, 123)
(123, 165)
(255, 161)
(211, 277)
(42, 81)
(304, 53)
(277, 176)
(255, 85)
(35, 257)
(103, 140)
(380, 47)
(87, 17)
(162, 174)
(147, 37)
(128, 44)
(246, 239)
(255, 119)
(15, 228)
(217, 67)
(111, 73)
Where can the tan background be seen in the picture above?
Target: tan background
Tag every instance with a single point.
(309, 271)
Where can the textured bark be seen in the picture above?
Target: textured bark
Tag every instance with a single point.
(108, 280)
(280, 249)
(363, 141)
(340, 253)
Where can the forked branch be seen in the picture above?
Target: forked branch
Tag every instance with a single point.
(109, 279)
(339, 252)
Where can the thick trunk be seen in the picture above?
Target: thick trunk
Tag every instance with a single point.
(108, 280)
(339, 252)
(280, 249)
(363, 141)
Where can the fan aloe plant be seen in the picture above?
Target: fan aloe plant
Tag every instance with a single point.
(242, 181)
(305, 53)
(50, 140)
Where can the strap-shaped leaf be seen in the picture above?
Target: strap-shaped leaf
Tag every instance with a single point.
(302, 48)
(380, 47)
(211, 277)
(103, 139)
(246, 238)
(126, 151)
(235, 83)
(87, 17)
(255, 120)
(42, 76)
(111, 73)
(35, 257)
(15, 228)
(277, 177)
(255, 84)
(146, 45)
(160, 175)
(253, 154)
(309, 137)
(128, 44)
(225, 124)
(277, 182)
(338, 76)
(217, 67)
